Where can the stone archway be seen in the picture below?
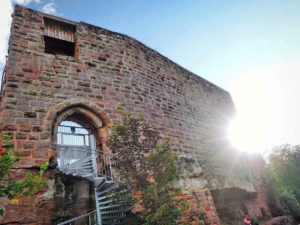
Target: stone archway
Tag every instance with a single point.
(70, 190)
(76, 108)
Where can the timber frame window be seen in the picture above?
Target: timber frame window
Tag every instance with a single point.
(59, 37)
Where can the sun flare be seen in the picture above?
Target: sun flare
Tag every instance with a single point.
(267, 110)
(244, 135)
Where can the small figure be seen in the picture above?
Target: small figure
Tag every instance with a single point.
(247, 220)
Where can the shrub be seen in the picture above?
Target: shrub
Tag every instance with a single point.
(150, 167)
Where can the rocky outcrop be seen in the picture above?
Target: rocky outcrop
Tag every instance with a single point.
(282, 220)
(190, 174)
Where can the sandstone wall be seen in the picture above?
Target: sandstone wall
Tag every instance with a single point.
(113, 71)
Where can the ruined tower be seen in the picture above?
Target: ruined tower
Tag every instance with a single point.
(64, 78)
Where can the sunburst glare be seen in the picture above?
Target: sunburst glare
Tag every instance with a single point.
(267, 108)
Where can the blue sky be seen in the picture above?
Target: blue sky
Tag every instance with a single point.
(238, 45)
(215, 39)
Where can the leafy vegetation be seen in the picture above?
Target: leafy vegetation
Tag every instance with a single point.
(30, 185)
(150, 167)
(283, 170)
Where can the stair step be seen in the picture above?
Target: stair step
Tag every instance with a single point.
(108, 217)
(105, 202)
(105, 197)
(107, 221)
(121, 211)
(117, 210)
(111, 207)
(88, 175)
(107, 190)
(98, 181)
(105, 183)
(82, 166)
(109, 194)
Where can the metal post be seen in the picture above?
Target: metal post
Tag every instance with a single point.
(110, 168)
(94, 162)
(98, 212)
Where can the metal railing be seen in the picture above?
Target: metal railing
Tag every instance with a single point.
(100, 168)
(90, 218)
(85, 161)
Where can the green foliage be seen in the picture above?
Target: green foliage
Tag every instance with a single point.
(276, 207)
(61, 217)
(283, 170)
(292, 203)
(30, 185)
(150, 167)
(200, 215)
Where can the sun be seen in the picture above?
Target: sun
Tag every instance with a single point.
(246, 135)
(246, 131)
(267, 108)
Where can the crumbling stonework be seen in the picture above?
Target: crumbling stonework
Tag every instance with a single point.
(110, 71)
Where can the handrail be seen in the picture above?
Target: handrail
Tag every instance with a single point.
(84, 159)
(77, 218)
(83, 149)
(99, 167)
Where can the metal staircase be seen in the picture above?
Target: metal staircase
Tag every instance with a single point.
(98, 167)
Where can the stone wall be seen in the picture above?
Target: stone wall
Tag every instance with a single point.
(109, 71)
(66, 197)
(203, 207)
(113, 71)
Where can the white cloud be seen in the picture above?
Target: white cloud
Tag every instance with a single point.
(6, 10)
(5, 21)
(49, 8)
(25, 2)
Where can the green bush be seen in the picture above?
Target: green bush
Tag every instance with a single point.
(148, 164)
(292, 204)
(283, 171)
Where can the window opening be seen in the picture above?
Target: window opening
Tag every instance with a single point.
(74, 143)
(72, 134)
(59, 37)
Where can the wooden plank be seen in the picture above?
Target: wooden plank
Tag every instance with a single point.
(59, 30)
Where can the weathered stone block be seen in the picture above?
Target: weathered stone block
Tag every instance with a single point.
(33, 136)
(43, 144)
(37, 129)
(40, 153)
(21, 136)
(10, 127)
(28, 144)
(44, 136)
(30, 114)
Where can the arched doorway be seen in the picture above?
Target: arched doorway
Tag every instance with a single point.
(76, 147)
(76, 143)
(79, 134)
